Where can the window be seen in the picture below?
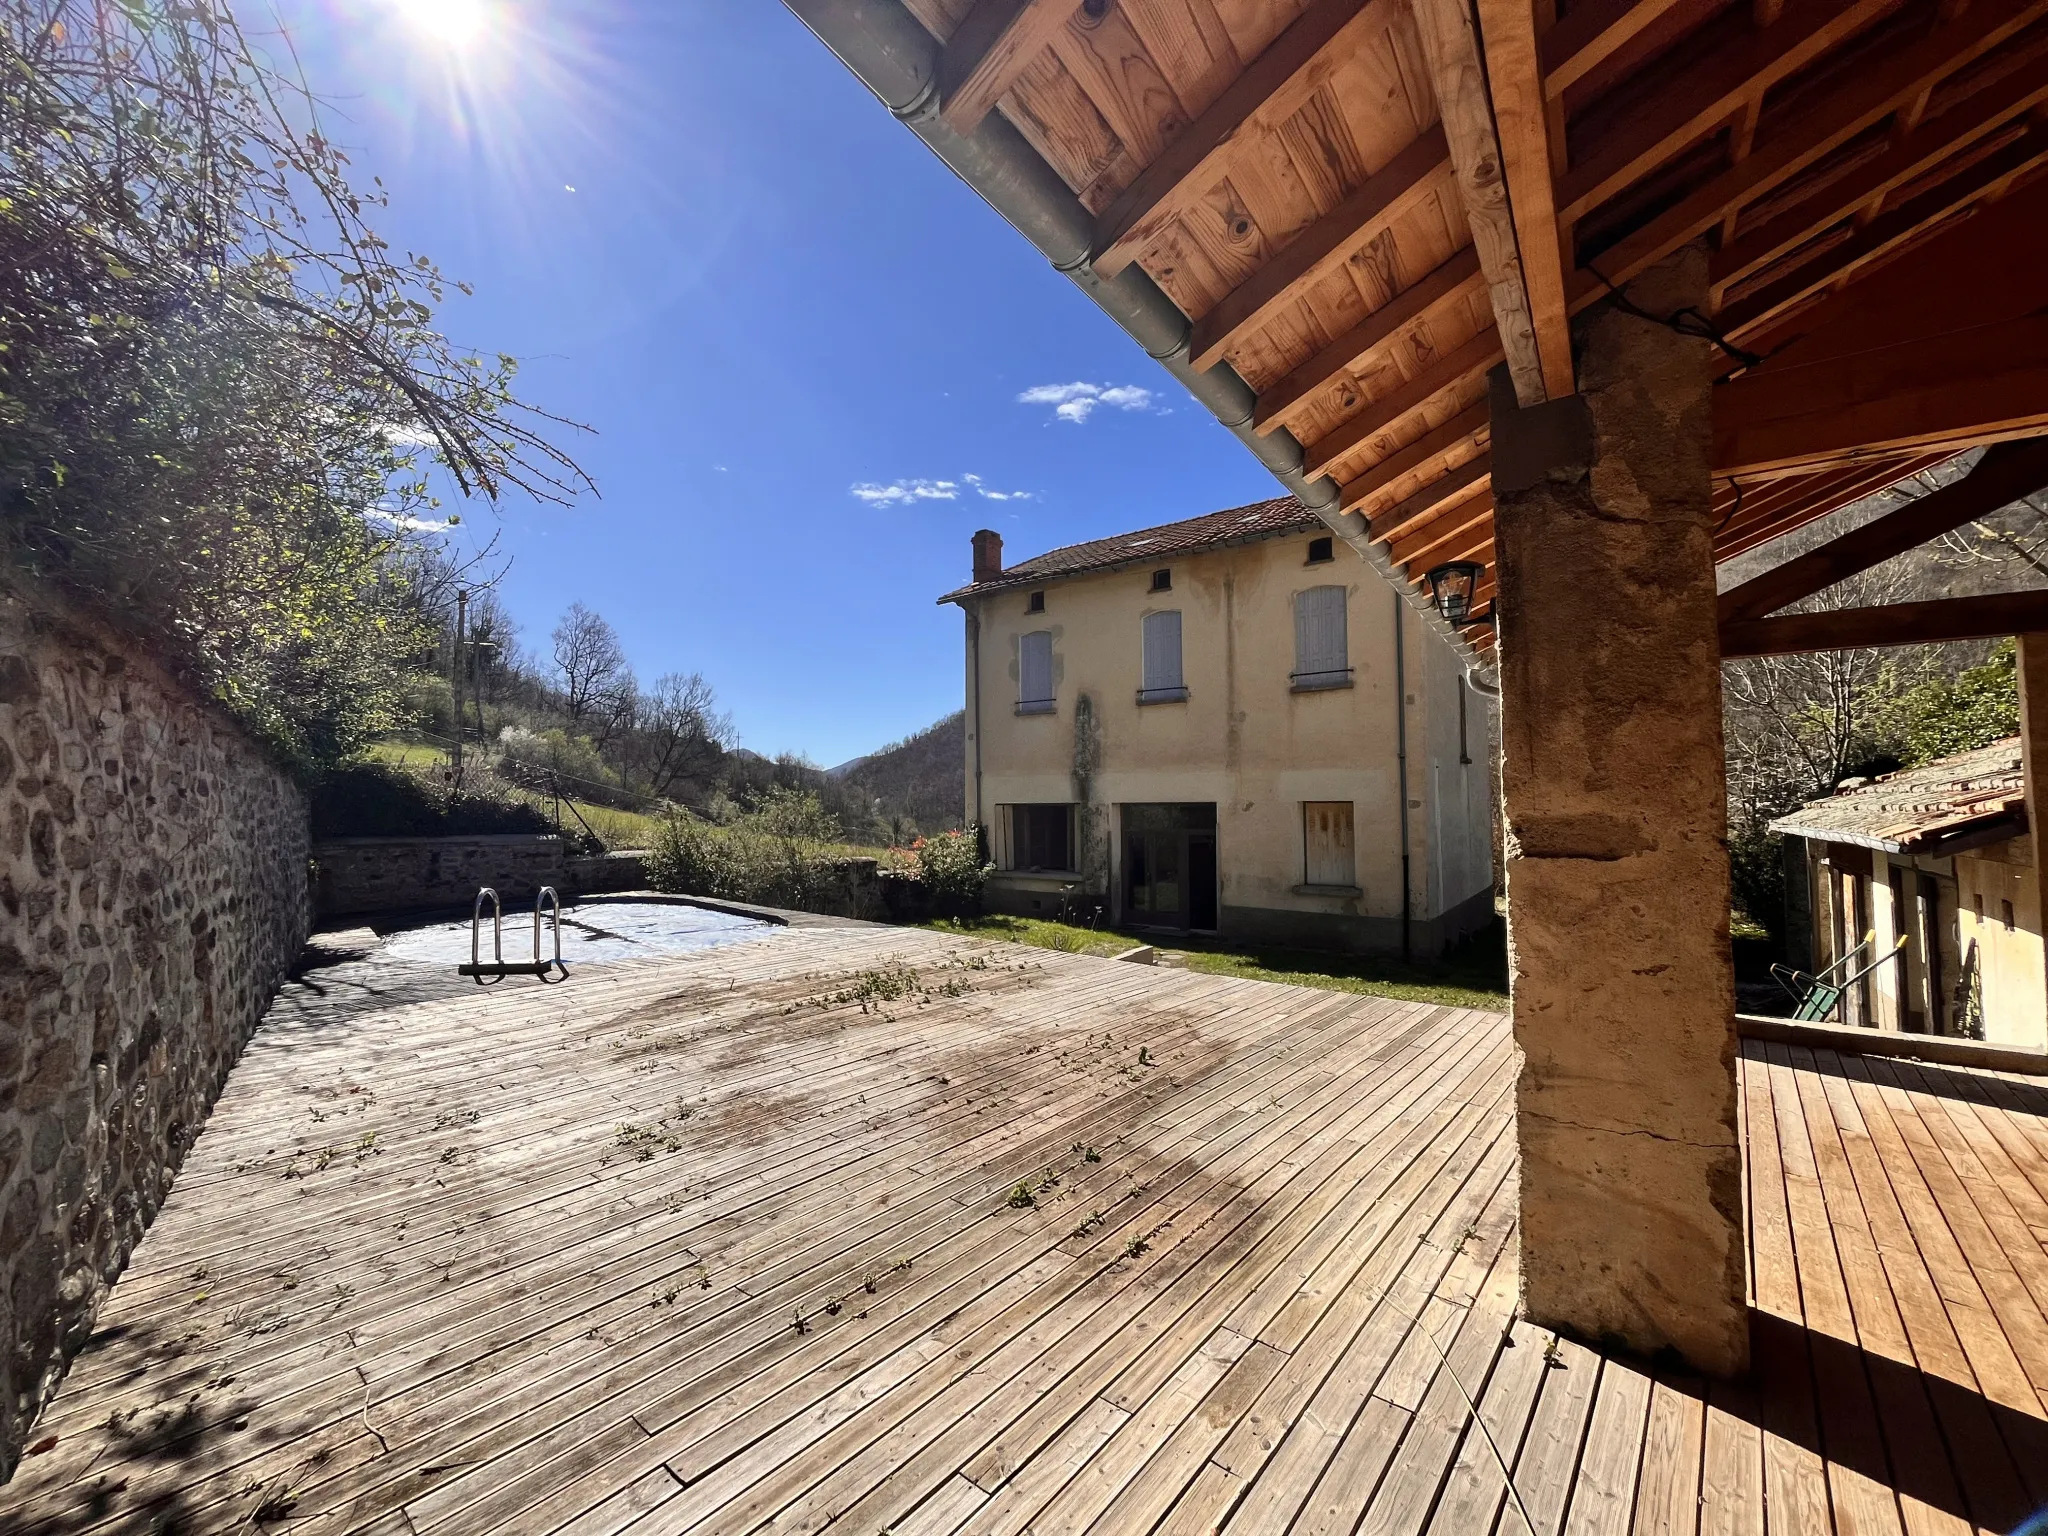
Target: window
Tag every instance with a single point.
(1977, 904)
(2005, 915)
(1320, 550)
(1042, 837)
(1326, 837)
(1035, 603)
(1321, 655)
(1162, 581)
(1034, 673)
(1162, 682)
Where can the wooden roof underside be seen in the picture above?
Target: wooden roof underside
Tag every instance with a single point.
(1324, 190)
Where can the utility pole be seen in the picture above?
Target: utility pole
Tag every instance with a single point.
(455, 668)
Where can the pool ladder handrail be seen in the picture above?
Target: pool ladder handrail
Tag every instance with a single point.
(499, 967)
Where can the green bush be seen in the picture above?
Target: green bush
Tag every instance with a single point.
(777, 854)
(1945, 716)
(950, 866)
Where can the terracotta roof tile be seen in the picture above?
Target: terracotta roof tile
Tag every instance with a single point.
(1917, 808)
(1215, 530)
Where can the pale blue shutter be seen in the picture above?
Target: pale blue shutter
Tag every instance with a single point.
(1162, 670)
(1034, 672)
(1321, 653)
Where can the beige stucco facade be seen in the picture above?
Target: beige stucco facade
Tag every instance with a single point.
(1972, 959)
(1268, 754)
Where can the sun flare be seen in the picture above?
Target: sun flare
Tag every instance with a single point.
(452, 23)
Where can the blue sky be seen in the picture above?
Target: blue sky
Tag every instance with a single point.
(773, 305)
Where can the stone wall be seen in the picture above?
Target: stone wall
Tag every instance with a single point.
(360, 875)
(153, 880)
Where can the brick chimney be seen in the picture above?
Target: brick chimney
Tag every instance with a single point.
(988, 556)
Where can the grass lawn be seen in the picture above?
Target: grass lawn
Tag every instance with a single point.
(1473, 975)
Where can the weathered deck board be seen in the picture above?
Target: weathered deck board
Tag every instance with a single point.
(726, 1243)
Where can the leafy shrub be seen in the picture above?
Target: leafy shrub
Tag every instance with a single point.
(532, 757)
(776, 854)
(951, 867)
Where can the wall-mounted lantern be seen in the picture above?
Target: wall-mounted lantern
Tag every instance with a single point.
(1453, 587)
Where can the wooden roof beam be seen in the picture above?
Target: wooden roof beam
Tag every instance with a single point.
(1450, 48)
(1907, 158)
(1593, 32)
(1881, 87)
(1413, 174)
(1979, 385)
(1458, 522)
(1748, 315)
(1521, 118)
(1279, 83)
(1852, 629)
(1709, 92)
(2007, 472)
(994, 44)
(1454, 279)
(1449, 370)
(1469, 427)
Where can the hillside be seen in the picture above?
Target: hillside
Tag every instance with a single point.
(919, 778)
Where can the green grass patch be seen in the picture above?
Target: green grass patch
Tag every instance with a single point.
(1474, 974)
(614, 828)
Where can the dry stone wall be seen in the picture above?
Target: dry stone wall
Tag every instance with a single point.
(153, 895)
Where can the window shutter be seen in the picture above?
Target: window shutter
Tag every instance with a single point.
(1320, 649)
(1162, 652)
(1326, 825)
(1034, 667)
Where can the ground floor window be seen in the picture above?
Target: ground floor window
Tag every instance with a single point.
(1327, 846)
(1042, 837)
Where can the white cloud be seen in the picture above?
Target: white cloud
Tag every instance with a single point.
(903, 492)
(981, 489)
(1076, 402)
(405, 523)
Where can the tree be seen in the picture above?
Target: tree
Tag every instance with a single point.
(591, 666)
(685, 736)
(221, 393)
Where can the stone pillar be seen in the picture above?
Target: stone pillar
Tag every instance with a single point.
(1615, 800)
(2033, 688)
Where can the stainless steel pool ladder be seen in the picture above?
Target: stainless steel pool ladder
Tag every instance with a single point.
(499, 966)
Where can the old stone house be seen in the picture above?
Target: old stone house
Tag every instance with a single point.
(1231, 724)
(1939, 857)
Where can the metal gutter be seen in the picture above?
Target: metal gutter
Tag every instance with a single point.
(896, 58)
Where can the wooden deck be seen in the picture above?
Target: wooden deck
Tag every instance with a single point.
(744, 1241)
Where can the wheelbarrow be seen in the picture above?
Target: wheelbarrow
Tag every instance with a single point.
(1816, 996)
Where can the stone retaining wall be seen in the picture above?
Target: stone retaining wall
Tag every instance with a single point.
(361, 875)
(153, 881)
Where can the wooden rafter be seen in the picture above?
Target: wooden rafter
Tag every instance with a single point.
(1881, 87)
(1908, 156)
(1712, 90)
(1748, 315)
(2005, 474)
(1466, 429)
(1797, 500)
(1849, 629)
(1448, 371)
(988, 51)
(1453, 280)
(1450, 47)
(1459, 521)
(1415, 173)
(1278, 84)
(1591, 34)
(1521, 119)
